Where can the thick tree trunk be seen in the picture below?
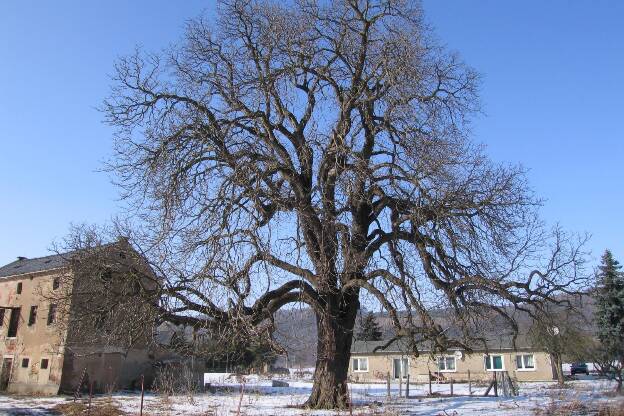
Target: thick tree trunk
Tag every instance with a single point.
(335, 332)
(559, 369)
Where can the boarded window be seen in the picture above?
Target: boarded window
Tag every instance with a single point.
(51, 314)
(25, 362)
(44, 363)
(32, 318)
(19, 288)
(13, 323)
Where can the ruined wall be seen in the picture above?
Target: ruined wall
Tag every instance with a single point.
(36, 343)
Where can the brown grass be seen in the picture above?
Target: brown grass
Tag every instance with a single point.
(80, 409)
(576, 408)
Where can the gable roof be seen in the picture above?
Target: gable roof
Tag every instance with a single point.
(40, 264)
(494, 340)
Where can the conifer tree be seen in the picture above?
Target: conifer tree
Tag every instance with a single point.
(369, 329)
(610, 317)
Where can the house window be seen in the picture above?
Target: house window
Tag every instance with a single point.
(446, 363)
(494, 362)
(399, 367)
(13, 322)
(19, 288)
(32, 318)
(56, 283)
(525, 362)
(2, 316)
(44, 363)
(51, 314)
(25, 362)
(360, 365)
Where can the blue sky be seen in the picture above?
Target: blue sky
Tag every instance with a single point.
(552, 95)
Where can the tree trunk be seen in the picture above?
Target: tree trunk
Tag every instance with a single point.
(335, 332)
(559, 369)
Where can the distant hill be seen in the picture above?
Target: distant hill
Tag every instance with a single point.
(296, 330)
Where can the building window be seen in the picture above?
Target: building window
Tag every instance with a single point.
(56, 283)
(525, 362)
(2, 316)
(400, 367)
(25, 362)
(32, 318)
(44, 363)
(360, 365)
(494, 362)
(446, 364)
(13, 322)
(19, 288)
(51, 314)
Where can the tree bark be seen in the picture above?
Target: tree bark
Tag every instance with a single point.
(335, 333)
(559, 369)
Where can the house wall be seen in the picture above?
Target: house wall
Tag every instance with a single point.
(381, 364)
(108, 369)
(34, 342)
(106, 366)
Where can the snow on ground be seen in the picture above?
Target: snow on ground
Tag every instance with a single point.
(259, 398)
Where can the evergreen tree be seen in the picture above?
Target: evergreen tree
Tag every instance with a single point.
(610, 316)
(369, 329)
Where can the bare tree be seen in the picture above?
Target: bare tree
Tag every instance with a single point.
(315, 151)
(563, 332)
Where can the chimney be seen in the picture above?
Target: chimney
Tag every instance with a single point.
(20, 258)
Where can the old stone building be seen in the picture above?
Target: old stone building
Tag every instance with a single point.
(34, 353)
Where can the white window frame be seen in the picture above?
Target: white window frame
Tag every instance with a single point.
(524, 368)
(446, 357)
(406, 367)
(489, 357)
(359, 359)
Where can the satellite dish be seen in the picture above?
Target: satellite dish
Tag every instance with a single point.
(459, 355)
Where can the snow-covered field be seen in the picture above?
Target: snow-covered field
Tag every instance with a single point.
(259, 398)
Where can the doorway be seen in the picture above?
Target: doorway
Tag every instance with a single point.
(5, 373)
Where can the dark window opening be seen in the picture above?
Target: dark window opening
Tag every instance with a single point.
(32, 318)
(122, 255)
(51, 314)
(19, 288)
(2, 316)
(56, 283)
(25, 362)
(44, 363)
(13, 322)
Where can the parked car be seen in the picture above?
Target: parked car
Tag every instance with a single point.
(579, 368)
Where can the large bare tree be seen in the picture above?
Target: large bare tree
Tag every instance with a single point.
(313, 152)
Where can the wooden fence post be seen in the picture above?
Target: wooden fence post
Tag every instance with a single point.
(495, 384)
(469, 384)
(429, 382)
(451, 387)
(400, 383)
(388, 383)
(142, 393)
(90, 395)
(407, 388)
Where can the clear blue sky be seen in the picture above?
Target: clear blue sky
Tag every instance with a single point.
(552, 93)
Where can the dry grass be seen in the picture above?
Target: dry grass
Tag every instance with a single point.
(80, 409)
(577, 408)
